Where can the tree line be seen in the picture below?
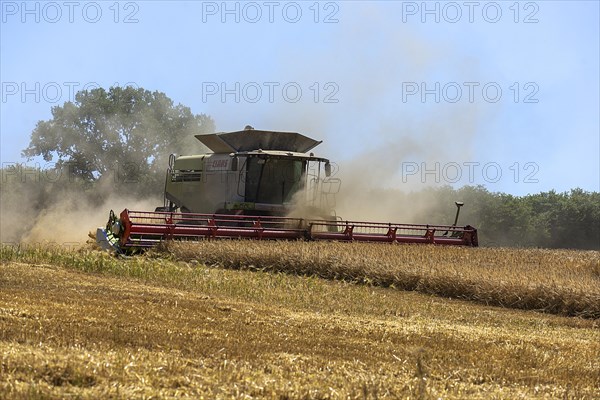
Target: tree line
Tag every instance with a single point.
(548, 219)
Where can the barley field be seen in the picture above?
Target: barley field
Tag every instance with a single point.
(555, 281)
(247, 319)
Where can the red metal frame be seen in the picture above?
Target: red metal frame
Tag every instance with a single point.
(147, 228)
(391, 232)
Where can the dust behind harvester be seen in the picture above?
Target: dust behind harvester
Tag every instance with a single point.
(259, 185)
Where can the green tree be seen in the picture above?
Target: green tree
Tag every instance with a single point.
(547, 219)
(127, 133)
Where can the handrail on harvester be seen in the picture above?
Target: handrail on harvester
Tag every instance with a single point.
(142, 229)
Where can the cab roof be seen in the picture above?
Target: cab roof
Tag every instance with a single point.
(253, 139)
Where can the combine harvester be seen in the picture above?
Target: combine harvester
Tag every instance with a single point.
(251, 186)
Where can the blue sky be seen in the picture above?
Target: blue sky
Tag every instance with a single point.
(504, 94)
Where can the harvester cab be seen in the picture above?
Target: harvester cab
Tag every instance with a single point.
(251, 172)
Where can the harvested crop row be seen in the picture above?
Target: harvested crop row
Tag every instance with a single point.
(561, 282)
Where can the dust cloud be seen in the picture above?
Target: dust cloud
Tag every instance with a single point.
(38, 211)
(372, 130)
(381, 184)
(70, 222)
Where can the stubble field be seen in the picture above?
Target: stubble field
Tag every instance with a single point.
(250, 319)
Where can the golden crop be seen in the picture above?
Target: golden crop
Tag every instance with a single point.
(557, 281)
(173, 323)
